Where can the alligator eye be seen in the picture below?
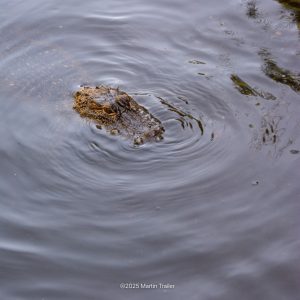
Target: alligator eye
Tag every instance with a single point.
(122, 100)
(108, 110)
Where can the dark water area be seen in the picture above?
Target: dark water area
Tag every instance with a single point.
(212, 209)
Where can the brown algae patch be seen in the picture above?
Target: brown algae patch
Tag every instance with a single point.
(118, 113)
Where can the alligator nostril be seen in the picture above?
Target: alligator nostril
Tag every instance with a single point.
(138, 141)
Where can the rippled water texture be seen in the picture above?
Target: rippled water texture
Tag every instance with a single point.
(213, 209)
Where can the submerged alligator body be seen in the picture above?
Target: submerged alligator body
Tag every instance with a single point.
(118, 113)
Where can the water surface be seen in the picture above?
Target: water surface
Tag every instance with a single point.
(212, 209)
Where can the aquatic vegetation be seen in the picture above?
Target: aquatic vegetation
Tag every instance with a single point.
(118, 113)
(294, 7)
(269, 134)
(294, 151)
(196, 62)
(289, 15)
(269, 130)
(184, 117)
(278, 74)
(252, 11)
(245, 89)
(273, 136)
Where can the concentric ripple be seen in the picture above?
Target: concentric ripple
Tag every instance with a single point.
(208, 209)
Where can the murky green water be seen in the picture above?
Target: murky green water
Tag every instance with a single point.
(213, 209)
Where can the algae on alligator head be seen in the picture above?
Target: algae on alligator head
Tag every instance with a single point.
(118, 113)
